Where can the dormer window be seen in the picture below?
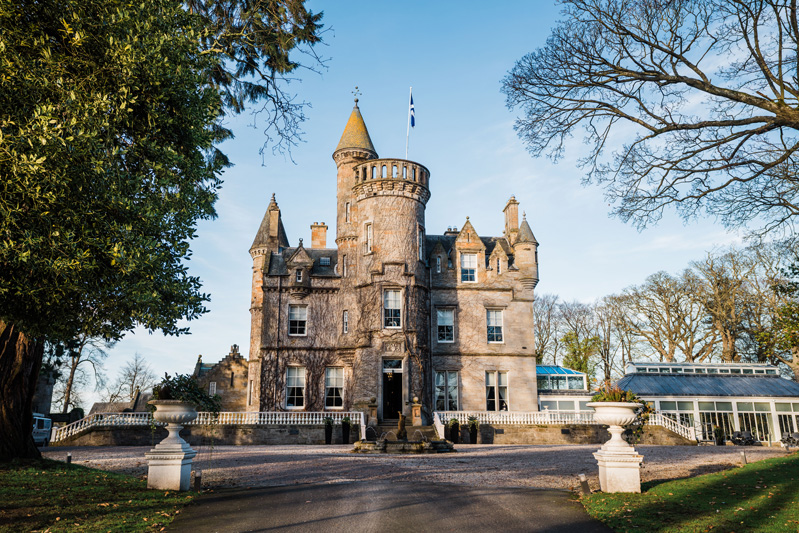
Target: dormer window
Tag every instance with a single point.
(324, 261)
(438, 264)
(299, 275)
(468, 268)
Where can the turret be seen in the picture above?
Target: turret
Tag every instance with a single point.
(511, 220)
(526, 251)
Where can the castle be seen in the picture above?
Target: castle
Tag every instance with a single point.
(391, 313)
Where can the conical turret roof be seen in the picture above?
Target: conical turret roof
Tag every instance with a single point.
(525, 233)
(263, 238)
(355, 133)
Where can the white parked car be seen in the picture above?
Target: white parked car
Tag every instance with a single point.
(41, 429)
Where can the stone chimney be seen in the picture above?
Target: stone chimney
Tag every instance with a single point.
(318, 235)
(511, 220)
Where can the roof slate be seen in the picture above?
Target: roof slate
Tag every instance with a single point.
(695, 385)
(277, 264)
(448, 242)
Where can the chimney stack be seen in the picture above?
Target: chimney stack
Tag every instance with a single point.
(318, 235)
(511, 220)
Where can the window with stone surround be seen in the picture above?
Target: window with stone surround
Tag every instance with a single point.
(347, 212)
(299, 275)
(212, 388)
(345, 321)
(298, 319)
(446, 390)
(367, 245)
(438, 264)
(334, 387)
(468, 268)
(295, 387)
(494, 323)
(445, 319)
(420, 241)
(344, 266)
(496, 390)
(392, 308)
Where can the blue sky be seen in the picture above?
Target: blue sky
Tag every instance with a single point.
(455, 55)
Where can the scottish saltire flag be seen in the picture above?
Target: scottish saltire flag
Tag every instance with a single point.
(413, 113)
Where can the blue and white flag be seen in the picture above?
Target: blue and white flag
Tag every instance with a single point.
(413, 113)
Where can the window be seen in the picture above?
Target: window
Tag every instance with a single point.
(299, 275)
(367, 246)
(295, 387)
(468, 267)
(212, 388)
(438, 264)
(421, 243)
(249, 392)
(446, 391)
(446, 325)
(347, 212)
(391, 309)
(324, 261)
(499, 271)
(334, 385)
(298, 317)
(344, 266)
(496, 391)
(494, 321)
(345, 321)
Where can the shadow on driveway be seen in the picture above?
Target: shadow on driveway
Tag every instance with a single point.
(383, 506)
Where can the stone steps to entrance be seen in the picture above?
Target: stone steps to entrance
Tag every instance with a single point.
(391, 429)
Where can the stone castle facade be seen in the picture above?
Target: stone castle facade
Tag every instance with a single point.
(391, 312)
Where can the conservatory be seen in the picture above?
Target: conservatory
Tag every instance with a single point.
(562, 389)
(732, 396)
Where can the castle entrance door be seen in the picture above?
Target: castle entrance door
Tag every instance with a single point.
(392, 388)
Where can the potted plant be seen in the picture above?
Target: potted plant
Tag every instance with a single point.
(718, 436)
(328, 430)
(616, 408)
(346, 424)
(454, 430)
(176, 401)
(474, 425)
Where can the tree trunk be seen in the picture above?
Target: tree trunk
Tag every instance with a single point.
(68, 387)
(20, 361)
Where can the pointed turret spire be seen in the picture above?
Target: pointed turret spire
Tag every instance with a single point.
(525, 233)
(271, 233)
(355, 133)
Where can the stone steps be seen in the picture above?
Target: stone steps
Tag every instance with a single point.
(427, 431)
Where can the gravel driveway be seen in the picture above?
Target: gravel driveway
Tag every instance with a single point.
(476, 465)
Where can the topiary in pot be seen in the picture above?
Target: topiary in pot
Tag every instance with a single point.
(328, 430)
(346, 424)
(474, 426)
(454, 430)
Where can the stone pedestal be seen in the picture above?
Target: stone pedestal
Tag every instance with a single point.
(372, 413)
(619, 471)
(169, 469)
(416, 412)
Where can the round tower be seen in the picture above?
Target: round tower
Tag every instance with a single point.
(354, 148)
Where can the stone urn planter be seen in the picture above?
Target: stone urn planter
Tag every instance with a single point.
(619, 462)
(170, 460)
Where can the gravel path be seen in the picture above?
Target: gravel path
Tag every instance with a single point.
(476, 465)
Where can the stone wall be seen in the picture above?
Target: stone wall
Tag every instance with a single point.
(205, 436)
(230, 376)
(288, 434)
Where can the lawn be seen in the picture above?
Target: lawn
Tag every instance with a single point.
(762, 497)
(46, 495)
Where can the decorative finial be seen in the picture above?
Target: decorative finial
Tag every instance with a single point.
(357, 93)
(467, 218)
(300, 242)
(273, 197)
(524, 215)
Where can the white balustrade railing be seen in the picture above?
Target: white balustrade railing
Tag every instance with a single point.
(546, 417)
(296, 418)
(688, 432)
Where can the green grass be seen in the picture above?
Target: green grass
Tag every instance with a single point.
(759, 497)
(45, 495)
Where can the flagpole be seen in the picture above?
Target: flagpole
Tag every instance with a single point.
(408, 132)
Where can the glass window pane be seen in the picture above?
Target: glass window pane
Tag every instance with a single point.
(490, 378)
(762, 407)
(543, 383)
(440, 379)
(549, 404)
(723, 406)
(685, 406)
(575, 382)
(565, 405)
(746, 406)
(503, 378)
(782, 407)
(392, 364)
(707, 406)
(795, 407)
(584, 406)
(668, 406)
